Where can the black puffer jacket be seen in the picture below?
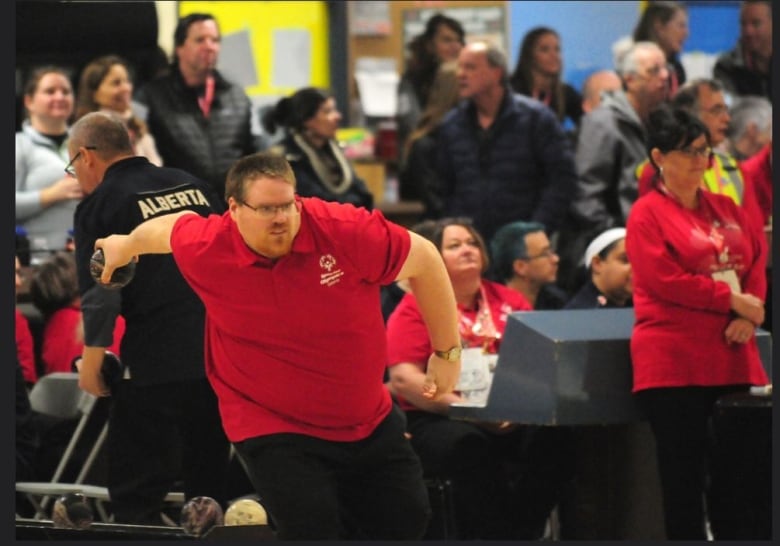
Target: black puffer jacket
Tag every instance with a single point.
(204, 147)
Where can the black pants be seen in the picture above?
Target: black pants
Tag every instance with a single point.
(319, 489)
(681, 421)
(503, 485)
(158, 435)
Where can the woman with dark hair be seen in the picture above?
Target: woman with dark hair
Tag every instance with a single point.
(441, 42)
(538, 74)
(666, 24)
(105, 86)
(699, 286)
(310, 119)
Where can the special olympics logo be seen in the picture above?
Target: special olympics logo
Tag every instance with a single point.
(327, 262)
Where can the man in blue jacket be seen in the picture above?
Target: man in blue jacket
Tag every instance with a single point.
(502, 157)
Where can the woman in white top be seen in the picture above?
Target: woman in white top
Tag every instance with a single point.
(105, 85)
(46, 197)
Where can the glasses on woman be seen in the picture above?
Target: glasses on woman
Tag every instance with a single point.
(703, 151)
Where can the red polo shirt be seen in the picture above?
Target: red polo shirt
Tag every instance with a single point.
(296, 345)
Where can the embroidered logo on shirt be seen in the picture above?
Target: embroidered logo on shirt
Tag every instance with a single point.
(330, 277)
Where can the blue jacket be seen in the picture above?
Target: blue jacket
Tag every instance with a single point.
(522, 169)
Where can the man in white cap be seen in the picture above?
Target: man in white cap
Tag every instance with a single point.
(609, 282)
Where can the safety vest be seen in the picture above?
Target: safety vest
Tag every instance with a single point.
(724, 177)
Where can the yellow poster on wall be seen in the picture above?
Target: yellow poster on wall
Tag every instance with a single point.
(271, 48)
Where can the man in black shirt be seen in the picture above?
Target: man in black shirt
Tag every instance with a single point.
(164, 420)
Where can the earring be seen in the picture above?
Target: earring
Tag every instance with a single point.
(661, 172)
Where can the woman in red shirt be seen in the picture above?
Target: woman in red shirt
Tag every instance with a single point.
(699, 286)
(483, 461)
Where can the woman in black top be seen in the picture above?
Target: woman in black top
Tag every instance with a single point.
(310, 120)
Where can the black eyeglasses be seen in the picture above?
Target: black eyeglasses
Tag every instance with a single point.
(69, 167)
(703, 152)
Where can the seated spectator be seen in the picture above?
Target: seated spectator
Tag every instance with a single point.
(745, 70)
(666, 24)
(609, 273)
(538, 71)
(505, 479)
(105, 85)
(525, 261)
(25, 346)
(750, 129)
(441, 42)
(418, 177)
(55, 292)
(310, 119)
(46, 197)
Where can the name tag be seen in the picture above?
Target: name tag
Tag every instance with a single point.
(729, 276)
(476, 375)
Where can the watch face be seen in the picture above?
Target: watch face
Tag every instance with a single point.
(451, 355)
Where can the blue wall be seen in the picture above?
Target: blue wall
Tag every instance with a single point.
(588, 29)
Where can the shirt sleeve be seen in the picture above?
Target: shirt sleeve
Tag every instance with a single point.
(100, 308)
(379, 247)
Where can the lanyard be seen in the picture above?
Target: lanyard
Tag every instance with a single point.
(205, 101)
(481, 331)
(715, 237)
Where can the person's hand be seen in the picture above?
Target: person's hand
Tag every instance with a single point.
(115, 253)
(63, 189)
(749, 307)
(739, 330)
(440, 377)
(92, 382)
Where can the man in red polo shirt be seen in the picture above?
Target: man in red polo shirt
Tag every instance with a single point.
(295, 347)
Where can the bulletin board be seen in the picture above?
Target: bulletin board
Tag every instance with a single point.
(271, 48)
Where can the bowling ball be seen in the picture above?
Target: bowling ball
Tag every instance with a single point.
(246, 512)
(119, 278)
(199, 514)
(71, 511)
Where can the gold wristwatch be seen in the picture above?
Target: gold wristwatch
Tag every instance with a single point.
(452, 355)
